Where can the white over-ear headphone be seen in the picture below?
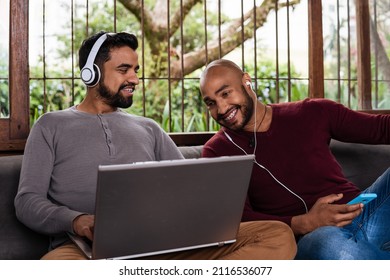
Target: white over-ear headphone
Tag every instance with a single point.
(90, 73)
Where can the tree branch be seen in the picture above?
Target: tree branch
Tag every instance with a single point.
(151, 29)
(177, 16)
(135, 8)
(160, 14)
(231, 38)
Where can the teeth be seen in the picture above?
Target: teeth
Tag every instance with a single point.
(231, 115)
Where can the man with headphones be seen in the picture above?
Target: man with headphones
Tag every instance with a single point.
(295, 177)
(57, 187)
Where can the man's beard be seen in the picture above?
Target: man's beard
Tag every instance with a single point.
(113, 99)
(246, 111)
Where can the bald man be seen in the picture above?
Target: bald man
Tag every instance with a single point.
(296, 179)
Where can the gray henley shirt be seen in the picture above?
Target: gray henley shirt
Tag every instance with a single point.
(59, 171)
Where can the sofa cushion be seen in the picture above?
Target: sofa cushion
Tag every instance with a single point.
(191, 151)
(16, 240)
(362, 164)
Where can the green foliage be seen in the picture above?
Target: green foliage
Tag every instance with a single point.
(273, 87)
(381, 89)
(384, 96)
(336, 47)
(177, 106)
(154, 96)
(53, 94)
(4, 99)
(188, 113)
(4, 95)
(193, 29)
(101, 17)
(183, 112)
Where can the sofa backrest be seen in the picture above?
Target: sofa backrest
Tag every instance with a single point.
(362, 164)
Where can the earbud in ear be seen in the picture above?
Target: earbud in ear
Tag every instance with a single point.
(249, 84)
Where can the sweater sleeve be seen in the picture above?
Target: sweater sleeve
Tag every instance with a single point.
(166, 149)
(33, 207)
(353, 126)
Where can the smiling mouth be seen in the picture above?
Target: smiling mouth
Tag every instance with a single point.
(231, 115)
(227, 117)
(129, 90)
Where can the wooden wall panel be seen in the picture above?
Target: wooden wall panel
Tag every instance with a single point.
(364, 54)
(316, 53)
(15, 129)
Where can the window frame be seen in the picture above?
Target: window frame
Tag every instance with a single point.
(15, 129)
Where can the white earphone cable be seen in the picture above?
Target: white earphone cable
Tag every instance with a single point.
(258, 164)
(269, 172)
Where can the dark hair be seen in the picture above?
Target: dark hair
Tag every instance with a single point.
(114, 40)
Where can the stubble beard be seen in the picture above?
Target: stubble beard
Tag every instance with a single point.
(246, 110)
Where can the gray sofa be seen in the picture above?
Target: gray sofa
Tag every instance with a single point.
(362, 164)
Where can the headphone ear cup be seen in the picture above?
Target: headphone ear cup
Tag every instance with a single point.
(96, 79)
(90, 76)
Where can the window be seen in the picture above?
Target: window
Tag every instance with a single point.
(344, 58)
(4, 58)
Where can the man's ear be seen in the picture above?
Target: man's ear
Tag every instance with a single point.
(246, 81)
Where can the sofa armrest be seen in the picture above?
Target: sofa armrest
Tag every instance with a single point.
(16, 240)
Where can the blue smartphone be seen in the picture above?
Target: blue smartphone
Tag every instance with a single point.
(363, 198)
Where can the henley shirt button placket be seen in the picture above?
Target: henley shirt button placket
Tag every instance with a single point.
(108, 134)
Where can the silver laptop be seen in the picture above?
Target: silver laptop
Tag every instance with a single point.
(150, 208)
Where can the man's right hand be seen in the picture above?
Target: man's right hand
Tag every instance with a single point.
(325, 213)
(83, 225)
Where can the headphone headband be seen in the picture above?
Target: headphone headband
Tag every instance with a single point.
(90, 74)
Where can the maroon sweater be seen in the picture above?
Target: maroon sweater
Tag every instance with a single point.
(296, 150)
